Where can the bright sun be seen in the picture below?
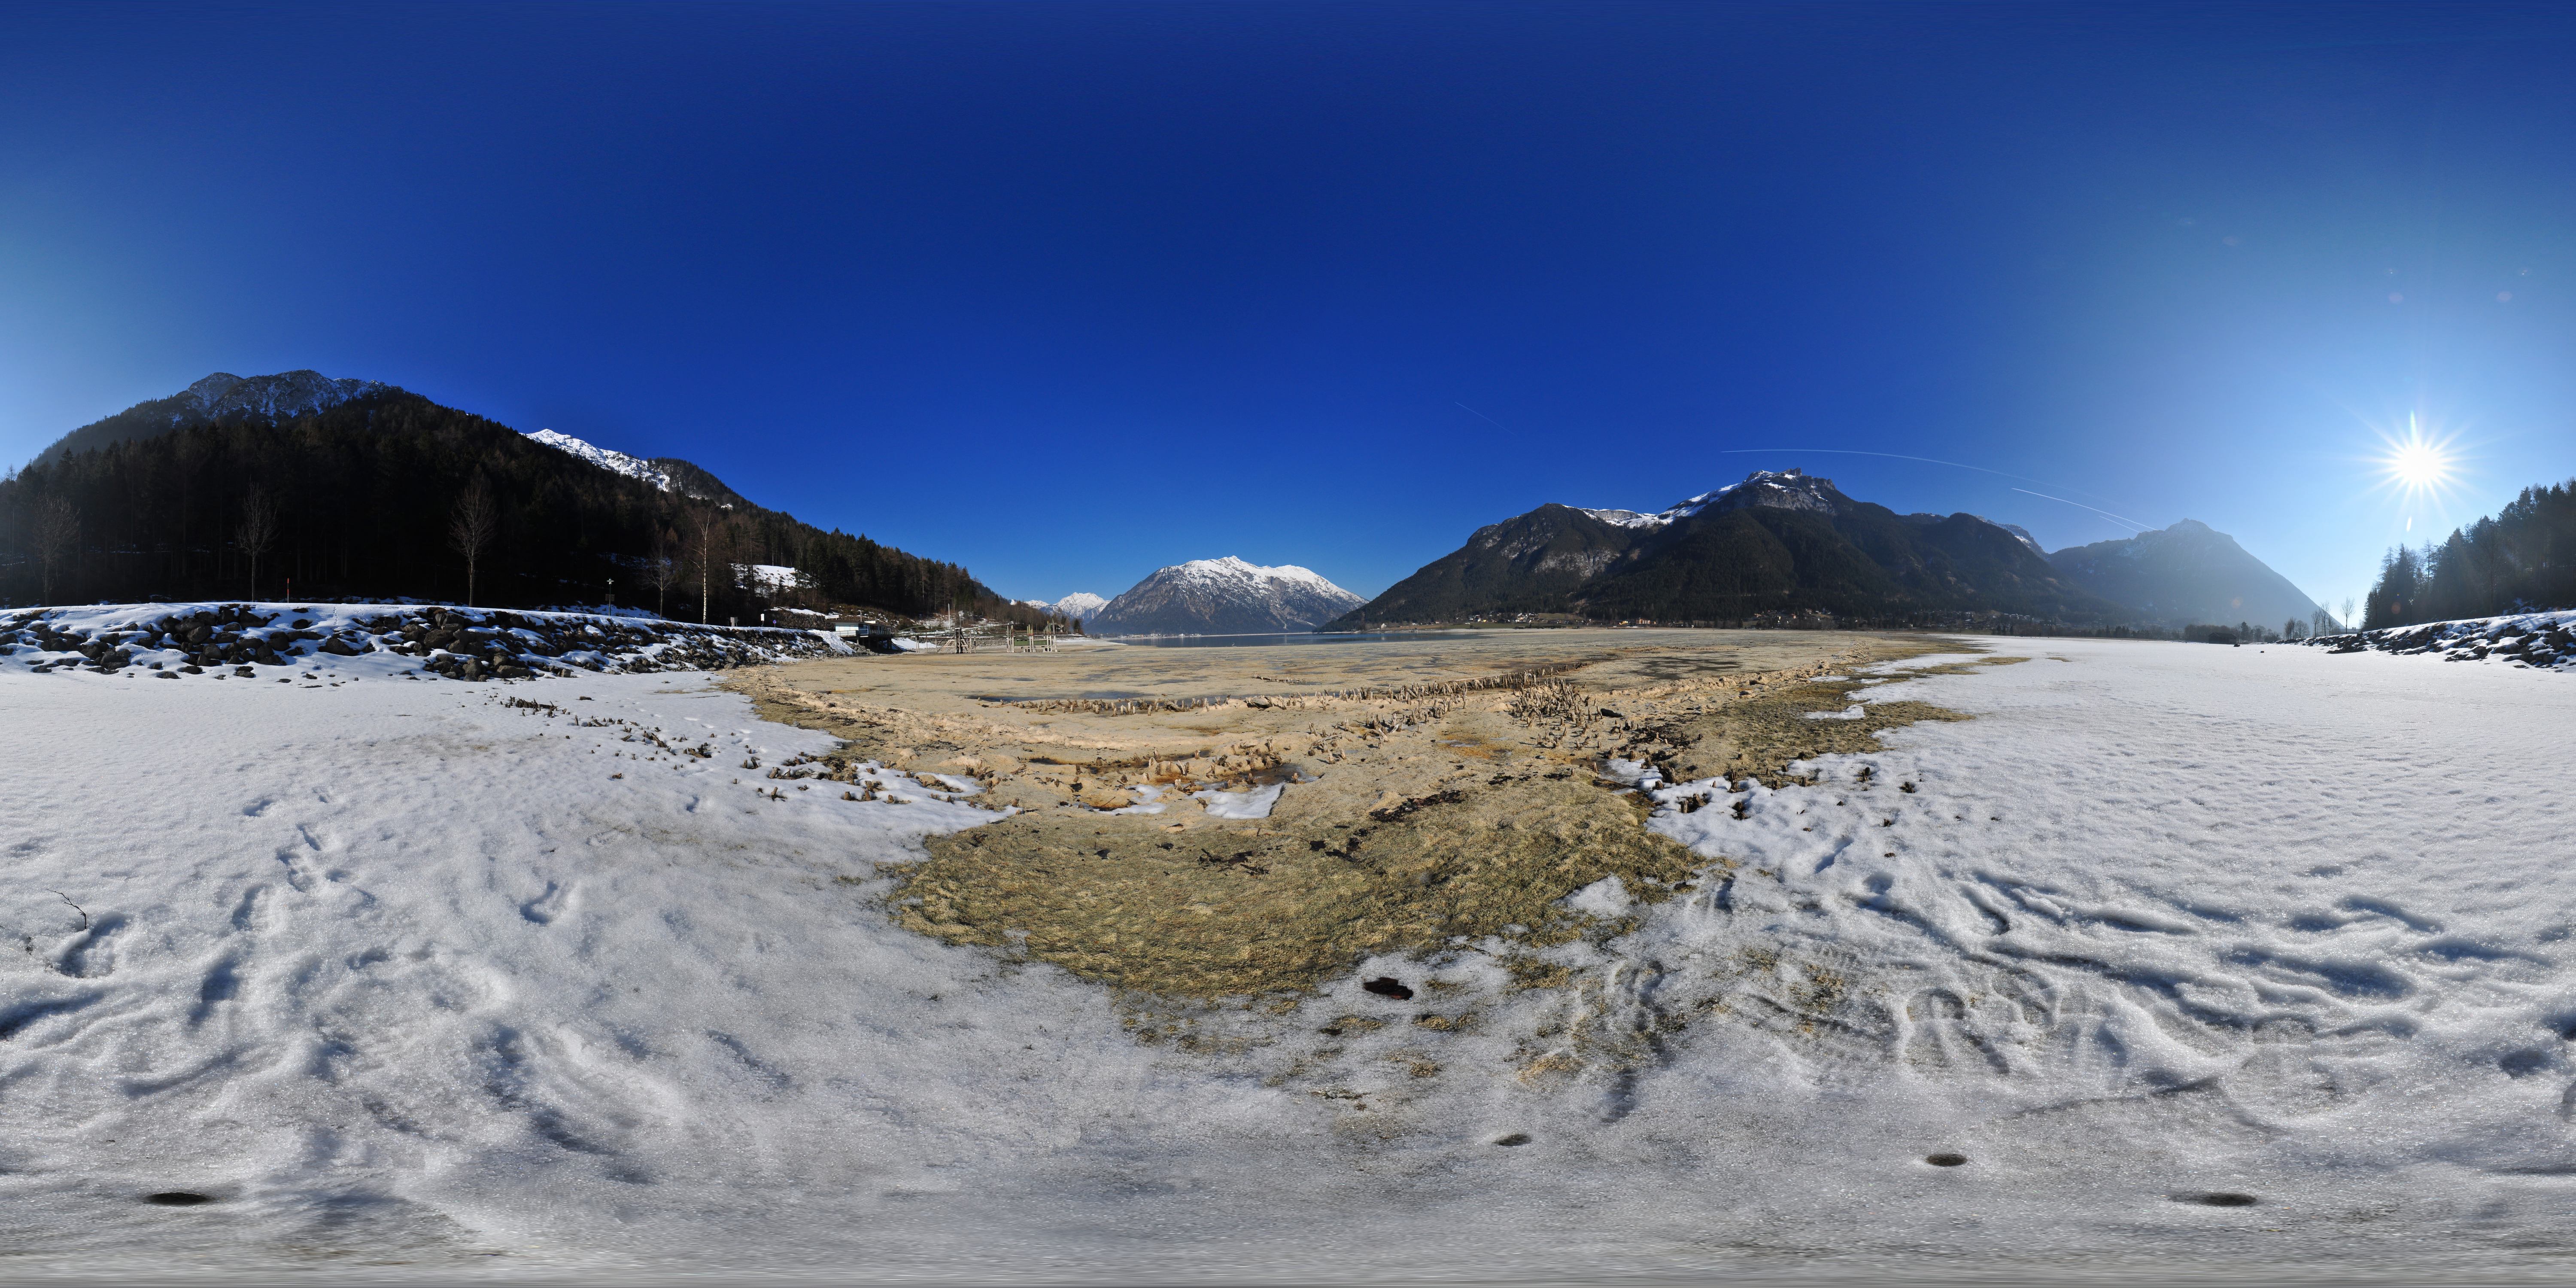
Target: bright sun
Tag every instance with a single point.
(2419, 465)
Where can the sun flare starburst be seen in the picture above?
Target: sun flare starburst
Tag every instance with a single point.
(2418, 464)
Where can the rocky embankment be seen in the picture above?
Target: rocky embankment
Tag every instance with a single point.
(2525, 639)
(457, 643)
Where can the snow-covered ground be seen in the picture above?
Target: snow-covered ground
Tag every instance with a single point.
(2529, 639)
(409, 980)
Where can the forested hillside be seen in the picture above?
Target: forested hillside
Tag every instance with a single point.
(2522, 559)
(1777, 546)
(386, 494)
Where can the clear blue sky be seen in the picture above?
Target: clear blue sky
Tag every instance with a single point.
(1069, 291)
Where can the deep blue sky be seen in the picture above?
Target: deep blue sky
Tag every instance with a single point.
(1070, 291)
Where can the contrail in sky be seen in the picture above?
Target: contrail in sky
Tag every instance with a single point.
(1480, 415)
(2081, 506)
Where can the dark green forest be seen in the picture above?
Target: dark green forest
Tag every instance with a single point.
(2523, 559)
(385, 496)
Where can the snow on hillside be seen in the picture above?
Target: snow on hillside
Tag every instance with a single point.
(1081, 605)
(2544, 639)
(1786, 488)
(614, 462)
(1220, 596)
(2175, 959)
(238, 640)
(1231, 572)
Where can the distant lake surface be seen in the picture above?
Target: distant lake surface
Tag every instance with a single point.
(1268, 641)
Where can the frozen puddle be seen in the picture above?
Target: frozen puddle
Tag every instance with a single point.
(2249, 957)
(1251, 803)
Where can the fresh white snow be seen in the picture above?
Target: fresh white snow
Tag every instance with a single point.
(1080, 605)
(412, 981)
(2542, 639)
(633, 467)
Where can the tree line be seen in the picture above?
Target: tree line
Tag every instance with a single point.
(393, 496)
(2521, 559)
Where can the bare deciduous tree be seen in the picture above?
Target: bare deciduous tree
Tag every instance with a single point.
(470, 531)
(57, 535)
(2347, 613)
(707, 549)
(258, 531)
(663, 569)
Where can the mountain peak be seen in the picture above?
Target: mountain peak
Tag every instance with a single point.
(1223, 596)
(219, 396)
(2183, 574)
(286, 394)
(1789, 489)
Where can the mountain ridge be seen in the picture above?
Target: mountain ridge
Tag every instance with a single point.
(1226, 596)
(2184, 574)
(359, 485)
(1777, 543)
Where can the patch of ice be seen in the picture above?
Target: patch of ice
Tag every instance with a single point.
(1149, 800)
(1853, 712)
(1631, 772)
(1607, 897)
(1256, 803)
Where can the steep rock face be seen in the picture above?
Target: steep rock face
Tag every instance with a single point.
(1223, 597)
(2184, 574)
(1778, 542)
(219, 397)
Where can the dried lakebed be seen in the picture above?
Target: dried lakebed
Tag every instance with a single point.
(1434, 802)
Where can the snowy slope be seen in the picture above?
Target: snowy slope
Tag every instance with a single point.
(2164, 922)
(1223, 596)
(1784, 489)
(1081, 605)
(614, 462)
(2545, 639)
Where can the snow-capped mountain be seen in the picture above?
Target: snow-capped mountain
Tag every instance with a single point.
(633, 467)
(1223, 597)
(1780, 490)
(1780, 542)
(1081, 605)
